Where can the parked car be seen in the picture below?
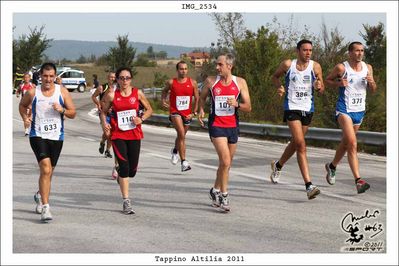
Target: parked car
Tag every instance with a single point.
(72, 79)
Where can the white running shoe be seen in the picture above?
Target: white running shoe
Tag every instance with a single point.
(175, 157)
(127, 207)
(46, 214)
(39, 204)
(312, 191)
(330, 176)
(27, 131)
(185, 166)
(224, 202)
(214, 196)
(275, 175)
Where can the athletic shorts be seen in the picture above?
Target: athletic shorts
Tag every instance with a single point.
(304, 117)
(107, 118)
(186, 121)
(127, 153)
(46, 148)
(357, 117)
(231, 133)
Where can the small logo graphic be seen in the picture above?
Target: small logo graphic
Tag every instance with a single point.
(293, 79)
(363, 232)
(118, 98)
(306, 79)
(132, 100)
(218, 91)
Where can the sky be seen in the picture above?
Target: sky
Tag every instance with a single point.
(183, 29)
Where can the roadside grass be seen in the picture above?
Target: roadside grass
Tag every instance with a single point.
(143, 79)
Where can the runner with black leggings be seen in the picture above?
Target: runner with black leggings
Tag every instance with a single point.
(125, 129)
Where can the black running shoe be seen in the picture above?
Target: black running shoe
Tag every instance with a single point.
(102, 147)
(107, 154)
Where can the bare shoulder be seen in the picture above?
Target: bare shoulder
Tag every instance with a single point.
(241, 81)
(316, 64)
(193, 81)
(286, 63)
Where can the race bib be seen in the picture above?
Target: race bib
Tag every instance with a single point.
(125, 119)
(357, 101)
(222, 108)
(300, 94)
(182, 102)
(50, 128)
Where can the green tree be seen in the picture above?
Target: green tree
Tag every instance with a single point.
(257, 57)
(230, 26)
(81, 60)
(330, 51)
(143, 60)
(162, 55)
(375, 55)
(29, 49)
(150, 52)
(122, 55)
(160, 79)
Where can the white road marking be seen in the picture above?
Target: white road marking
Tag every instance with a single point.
(296, 186)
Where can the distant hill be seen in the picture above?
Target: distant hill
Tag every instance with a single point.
(72, 50)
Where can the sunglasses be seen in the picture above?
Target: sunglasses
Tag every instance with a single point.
(124, 78)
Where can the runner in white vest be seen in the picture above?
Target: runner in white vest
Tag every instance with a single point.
(353, 78)
(302, 77)
(51, 103)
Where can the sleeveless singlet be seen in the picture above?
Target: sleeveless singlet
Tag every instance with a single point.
(299, 87)
(223, 115)
(352, 98)
(124, 109)
(181, 95)
(47, 123)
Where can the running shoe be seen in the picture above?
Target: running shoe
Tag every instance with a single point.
(214, 196)
(46, 214)
(275, 175)
(330, 177)
(185, 166)
(312, 191)
(102, 147)
(107, 154)
(362, 186)
(27, 131)
(224, 202)
(39, 204)
(175, 157)
(115, 173)
(127, 207)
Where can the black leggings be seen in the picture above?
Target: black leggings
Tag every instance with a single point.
(127, 152)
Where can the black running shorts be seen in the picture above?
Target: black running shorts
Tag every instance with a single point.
(304, 117)
(46, 148)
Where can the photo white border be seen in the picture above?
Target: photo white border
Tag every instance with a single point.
(8, 8)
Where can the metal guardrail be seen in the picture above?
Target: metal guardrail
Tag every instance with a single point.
(314, 133)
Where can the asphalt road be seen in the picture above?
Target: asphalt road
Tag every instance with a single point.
(173, 211)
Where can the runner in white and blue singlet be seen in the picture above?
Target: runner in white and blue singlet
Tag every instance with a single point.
(51, 103)
(302, 76)
(353, 78)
